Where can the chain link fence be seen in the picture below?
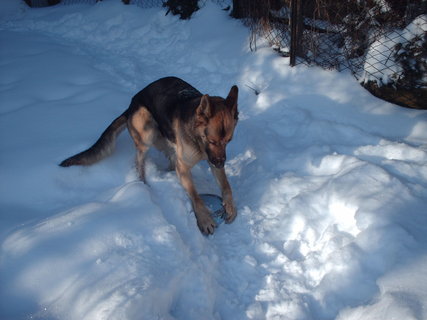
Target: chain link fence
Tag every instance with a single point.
(382, 42)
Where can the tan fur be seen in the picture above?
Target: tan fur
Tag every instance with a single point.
(142, 128)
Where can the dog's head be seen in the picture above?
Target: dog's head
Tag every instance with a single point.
(216, 119)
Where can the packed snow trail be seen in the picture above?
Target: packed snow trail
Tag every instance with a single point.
(330, 183)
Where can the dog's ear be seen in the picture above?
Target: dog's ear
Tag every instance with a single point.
(204, 109)
(231, 100)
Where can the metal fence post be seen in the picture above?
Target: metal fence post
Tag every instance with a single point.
(296, 30)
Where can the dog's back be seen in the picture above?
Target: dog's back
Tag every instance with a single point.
(166, 99)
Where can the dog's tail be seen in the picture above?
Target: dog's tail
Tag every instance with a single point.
(102, 148)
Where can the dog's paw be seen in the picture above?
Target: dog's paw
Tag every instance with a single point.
(205, 222)
(206, 225)
(230, 210)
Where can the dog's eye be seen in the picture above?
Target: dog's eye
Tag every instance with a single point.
(213, 142)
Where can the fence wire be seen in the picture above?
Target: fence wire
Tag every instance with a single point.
(383, 43)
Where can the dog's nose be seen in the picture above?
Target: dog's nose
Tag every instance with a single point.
(219, 162)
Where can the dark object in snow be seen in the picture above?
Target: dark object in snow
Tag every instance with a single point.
(415, 98)
(215, 206)
(256, 91)
(183, 8)
(41, 3)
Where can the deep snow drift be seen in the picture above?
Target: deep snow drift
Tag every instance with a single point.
(330, 182)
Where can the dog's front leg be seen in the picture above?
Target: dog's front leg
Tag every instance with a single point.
(227, 195)
(204, 221)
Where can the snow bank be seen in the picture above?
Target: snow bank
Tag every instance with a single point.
(330, 182)
(381, 65)
(12, 8)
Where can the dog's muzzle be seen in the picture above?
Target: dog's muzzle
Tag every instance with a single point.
(217, 162)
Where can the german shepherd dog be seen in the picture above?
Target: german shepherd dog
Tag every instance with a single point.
(183, 123)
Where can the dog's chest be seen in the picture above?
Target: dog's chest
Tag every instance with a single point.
(189, 153)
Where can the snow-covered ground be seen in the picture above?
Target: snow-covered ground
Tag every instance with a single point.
(330, 182)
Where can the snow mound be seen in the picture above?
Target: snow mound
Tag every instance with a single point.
(330, 183)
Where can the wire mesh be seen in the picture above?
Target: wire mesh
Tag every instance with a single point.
(383, 43)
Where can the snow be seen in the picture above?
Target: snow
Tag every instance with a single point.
(330, 182)
(380, 63)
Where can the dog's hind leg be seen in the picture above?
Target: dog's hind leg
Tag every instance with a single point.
(143, 129)
(162, 145)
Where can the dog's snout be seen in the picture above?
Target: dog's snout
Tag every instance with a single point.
(218, 162)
